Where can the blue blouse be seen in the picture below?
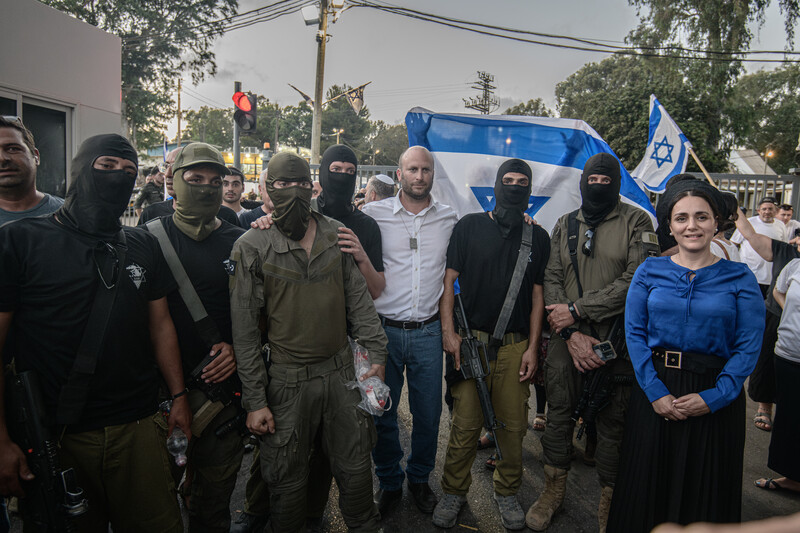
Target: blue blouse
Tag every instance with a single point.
(718, 312)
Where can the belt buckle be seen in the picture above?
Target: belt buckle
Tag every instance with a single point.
(673, 359)
(410, 325)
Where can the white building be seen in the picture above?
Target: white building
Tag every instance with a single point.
(62, 77)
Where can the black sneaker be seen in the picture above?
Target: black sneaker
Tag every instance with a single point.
(249, 523)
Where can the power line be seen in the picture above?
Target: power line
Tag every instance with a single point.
(590, 46)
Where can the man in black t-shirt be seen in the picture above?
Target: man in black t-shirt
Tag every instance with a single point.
(167, 207)
(203, 244)
(51, 270)
(482, 255)
(360, 235)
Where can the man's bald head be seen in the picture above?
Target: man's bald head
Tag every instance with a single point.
(415, 150)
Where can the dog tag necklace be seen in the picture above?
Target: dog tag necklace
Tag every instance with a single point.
(413, 243)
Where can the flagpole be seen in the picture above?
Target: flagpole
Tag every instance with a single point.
(699, 164)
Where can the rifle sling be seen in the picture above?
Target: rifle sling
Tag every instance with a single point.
(73, 395)
(206, 328)
(572, 245)
(516, 283)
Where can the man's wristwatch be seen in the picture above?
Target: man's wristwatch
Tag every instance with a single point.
(566, 333)
(572, 311)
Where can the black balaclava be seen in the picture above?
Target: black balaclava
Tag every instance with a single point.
(599, 200)
(97, 198)
(292, 204)
(511, 201)
(336, 198)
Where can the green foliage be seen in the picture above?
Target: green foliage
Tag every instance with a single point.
(532, 108)
(161, 41)
(211, 125)
(295, 128)
(766, 107)
(718, 31)
(339, 115)
(389, 142)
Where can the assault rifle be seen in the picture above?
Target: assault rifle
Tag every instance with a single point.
(475, 365)
(218, 395)
(53, 496)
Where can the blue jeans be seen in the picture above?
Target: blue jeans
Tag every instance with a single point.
(419, 353)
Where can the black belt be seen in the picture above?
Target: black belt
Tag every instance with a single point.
(699, 363)
(408, 325)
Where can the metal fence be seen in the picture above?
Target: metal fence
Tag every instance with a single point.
(750, 188)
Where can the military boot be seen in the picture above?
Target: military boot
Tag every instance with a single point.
(604, 507)
(550, 500)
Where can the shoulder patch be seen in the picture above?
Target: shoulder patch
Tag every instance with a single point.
(648, 237)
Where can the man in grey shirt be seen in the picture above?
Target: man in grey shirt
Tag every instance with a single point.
(19, 159)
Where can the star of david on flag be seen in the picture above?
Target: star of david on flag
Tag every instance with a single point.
(468, 150)
(667, 150)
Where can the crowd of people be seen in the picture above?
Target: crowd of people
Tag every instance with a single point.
(220, 320)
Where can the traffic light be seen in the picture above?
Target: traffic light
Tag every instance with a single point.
(245, 114)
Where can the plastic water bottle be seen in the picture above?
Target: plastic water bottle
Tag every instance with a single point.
(177, 444)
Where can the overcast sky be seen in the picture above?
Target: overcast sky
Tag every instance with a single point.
(415, 63)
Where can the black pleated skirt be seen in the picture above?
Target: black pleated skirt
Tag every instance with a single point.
(681, 472)
(784, 445)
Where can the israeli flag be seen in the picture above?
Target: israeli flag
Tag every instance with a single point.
(667, 150)
(165, 149)
(469, 149)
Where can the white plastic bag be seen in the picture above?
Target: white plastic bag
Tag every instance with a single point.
(375, 398)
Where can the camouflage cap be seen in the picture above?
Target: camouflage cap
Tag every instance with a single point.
(200, 154)
(288, 166)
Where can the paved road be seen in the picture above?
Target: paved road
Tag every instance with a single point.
(583, 490)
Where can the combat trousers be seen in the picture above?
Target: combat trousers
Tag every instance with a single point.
(307, 401)
(510, 402)
(214, 463)
(124, 472)
(256, 493)
(564, 386)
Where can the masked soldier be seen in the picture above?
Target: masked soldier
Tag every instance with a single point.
(594, 253)
(202, 244)
(296, 275)
(54, 278)
(483, 255)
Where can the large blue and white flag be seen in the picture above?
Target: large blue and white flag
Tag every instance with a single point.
(667, 150)
(469, 149)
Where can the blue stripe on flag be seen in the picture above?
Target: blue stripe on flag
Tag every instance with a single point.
(476, 134)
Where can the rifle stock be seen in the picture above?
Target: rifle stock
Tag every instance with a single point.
(218, 395)
(53, 496)
(475, 365)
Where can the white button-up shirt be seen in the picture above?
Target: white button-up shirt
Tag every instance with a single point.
(414, 269)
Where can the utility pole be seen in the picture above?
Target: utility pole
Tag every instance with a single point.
(237, 155)
(277, 125)
(179, 113)
(486, 102)
(316, 125)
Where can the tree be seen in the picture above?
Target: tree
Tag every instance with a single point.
(388, 143)
(720, 31)
(532, 108)
(211, 125)
(161, 41)
(296, 125)
(766, 106)
(339, 115)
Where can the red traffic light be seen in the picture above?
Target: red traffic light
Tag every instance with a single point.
(241, 101)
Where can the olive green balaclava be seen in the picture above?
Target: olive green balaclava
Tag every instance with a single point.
(196, 206)
(292, 204)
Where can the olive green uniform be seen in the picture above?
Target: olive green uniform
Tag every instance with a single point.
(309, 303)
(618, 250)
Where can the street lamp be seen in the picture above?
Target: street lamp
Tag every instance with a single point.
(376, 152)
(338, 132)
(766, 157)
